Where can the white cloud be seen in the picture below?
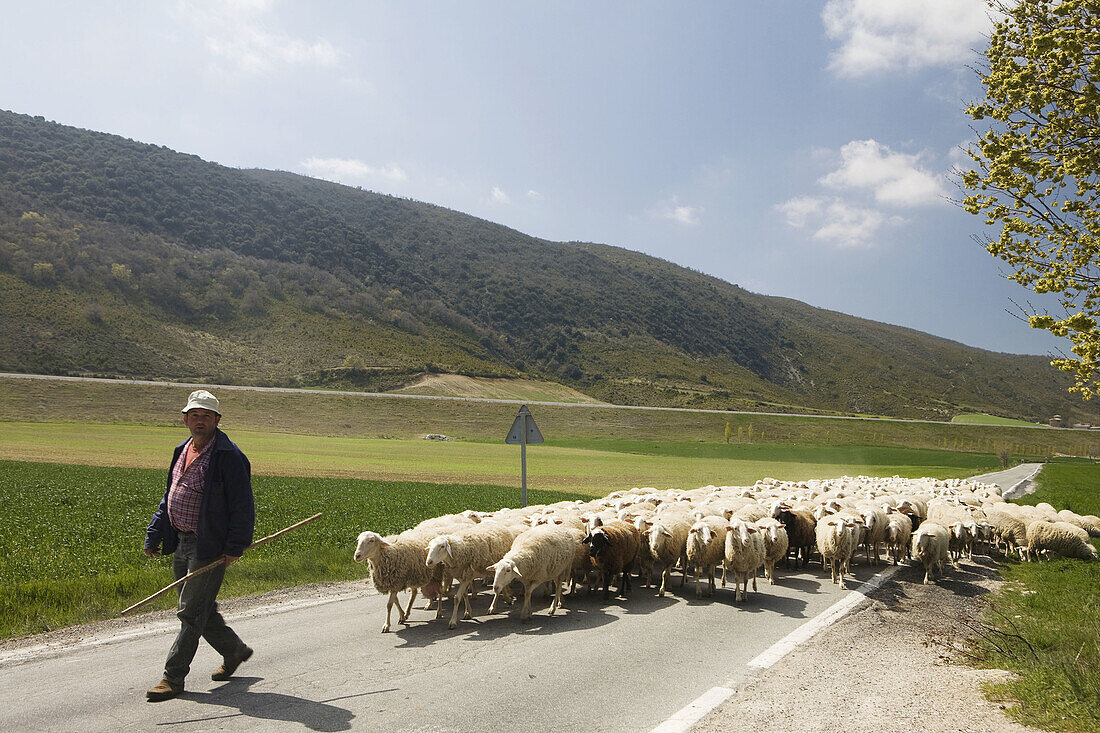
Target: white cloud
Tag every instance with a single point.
(799, 210)
(673, 210)
(352, 172)
(534, 195)
(238, 33)
(836, 221)
(894, 179)
(497, 196)
(889, 35)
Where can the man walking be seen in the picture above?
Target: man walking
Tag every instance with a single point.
(207, 513)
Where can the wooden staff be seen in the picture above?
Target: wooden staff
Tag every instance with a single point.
(216, 563)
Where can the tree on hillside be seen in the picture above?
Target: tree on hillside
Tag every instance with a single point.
(1036, 169)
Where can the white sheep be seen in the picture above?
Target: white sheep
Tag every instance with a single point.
(744, 555)
(899, 528)
(1063, 538)
(775, 545)
(467, 553)
(544, 554)
(396, 564)
(836, 541)
(706, 547)
(668, 544)
(930, 547)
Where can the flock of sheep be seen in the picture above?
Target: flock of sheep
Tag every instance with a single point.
(738, 529)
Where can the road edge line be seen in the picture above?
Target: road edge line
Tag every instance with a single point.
(683, 719)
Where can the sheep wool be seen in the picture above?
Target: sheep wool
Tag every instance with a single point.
(744, 555)
(543, 554)
(1063, 538)
(706, 545)
(930, 547)
(775, 545)
(396, 563)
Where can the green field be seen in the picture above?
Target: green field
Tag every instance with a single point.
(1047, 620)
(70, 546)
(981, 419)
(593, 467)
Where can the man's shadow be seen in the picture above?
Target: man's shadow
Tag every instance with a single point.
(319, 716)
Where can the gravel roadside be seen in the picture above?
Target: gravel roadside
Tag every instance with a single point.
(888, 666)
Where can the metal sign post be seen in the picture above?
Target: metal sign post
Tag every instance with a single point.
(523, 431)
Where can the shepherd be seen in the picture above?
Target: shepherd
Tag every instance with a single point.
(207, 513)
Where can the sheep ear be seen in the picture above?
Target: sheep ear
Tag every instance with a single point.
(515, 572)
(384, 543)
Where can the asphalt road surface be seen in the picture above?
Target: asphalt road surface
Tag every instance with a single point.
(626, 665)
(323, 665)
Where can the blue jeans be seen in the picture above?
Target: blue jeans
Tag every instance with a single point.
(198, 612)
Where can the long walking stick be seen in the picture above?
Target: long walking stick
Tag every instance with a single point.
(216, 563)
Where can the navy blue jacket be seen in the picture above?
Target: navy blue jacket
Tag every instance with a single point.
(227, 514)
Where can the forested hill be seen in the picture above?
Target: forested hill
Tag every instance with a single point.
(118, 257)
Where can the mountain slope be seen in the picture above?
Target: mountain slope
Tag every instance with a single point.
(125, 258)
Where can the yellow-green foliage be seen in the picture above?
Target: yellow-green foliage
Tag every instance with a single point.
(1037, 170)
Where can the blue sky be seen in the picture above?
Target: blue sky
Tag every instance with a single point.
(795, 148)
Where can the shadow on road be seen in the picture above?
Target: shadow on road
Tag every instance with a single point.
(318, 716)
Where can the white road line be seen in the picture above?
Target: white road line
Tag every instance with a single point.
(688, 716)
(693, 713)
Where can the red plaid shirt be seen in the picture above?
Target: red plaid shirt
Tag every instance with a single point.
(185, 493)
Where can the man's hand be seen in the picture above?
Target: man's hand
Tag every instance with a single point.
(149, 551)
(229, 559)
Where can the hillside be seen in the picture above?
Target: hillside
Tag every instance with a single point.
(123, 258)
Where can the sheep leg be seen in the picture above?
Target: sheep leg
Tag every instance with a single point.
(389, 608)
(710, 580)
(408, 610)
(556, 603)
(753, 582)
(525, 612)
(698, 587)
(665, 573)
(684, 565)
(459, 597)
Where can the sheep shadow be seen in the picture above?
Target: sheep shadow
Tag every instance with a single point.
(575, 613)
(314, 715)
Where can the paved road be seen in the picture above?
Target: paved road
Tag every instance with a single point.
(324, 665)
(1015, 482)
(621, 666)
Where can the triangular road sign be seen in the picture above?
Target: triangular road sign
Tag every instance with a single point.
(524, 427)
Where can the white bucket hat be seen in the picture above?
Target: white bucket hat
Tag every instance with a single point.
(205, 400)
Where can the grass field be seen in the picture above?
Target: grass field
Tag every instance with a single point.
(372, 416)
(981, 419)
(593, 467)
(70, 545)
(1048, 620)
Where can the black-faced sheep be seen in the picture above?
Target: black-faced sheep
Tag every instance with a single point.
(800, 525)
(613, 549)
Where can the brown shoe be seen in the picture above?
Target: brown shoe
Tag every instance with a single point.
(164, 690)
(230, 664)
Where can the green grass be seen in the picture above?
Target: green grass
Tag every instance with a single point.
(592, 467)
(70, 543)
(982, 419)
(1048, 617)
